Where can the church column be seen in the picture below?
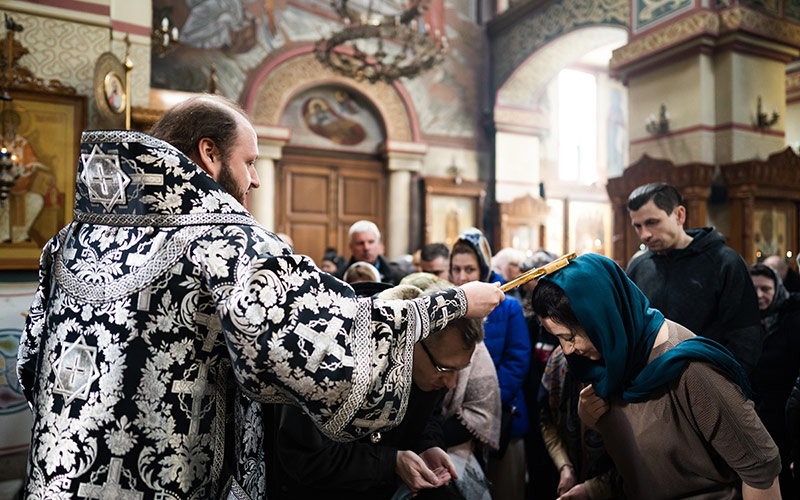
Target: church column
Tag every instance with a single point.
(709, 66)
(402, 159)
(261, 201)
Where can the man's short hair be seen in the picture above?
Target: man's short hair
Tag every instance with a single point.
(471, 331)
(550, 301)
(363, 226)
(432, 250)
(205, 116)
(664, 195)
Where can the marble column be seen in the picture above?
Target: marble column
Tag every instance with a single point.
(261, 201)
(402, 159)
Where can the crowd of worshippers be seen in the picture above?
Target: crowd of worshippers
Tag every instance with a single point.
(177, 349)
(508, 415)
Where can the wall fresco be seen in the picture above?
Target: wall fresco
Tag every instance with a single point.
(242, 36)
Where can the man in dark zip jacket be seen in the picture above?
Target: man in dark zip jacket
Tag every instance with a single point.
(692, 276)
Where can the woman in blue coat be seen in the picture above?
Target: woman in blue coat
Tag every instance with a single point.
(506, 337)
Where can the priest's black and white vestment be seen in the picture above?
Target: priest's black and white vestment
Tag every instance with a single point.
(166, 315)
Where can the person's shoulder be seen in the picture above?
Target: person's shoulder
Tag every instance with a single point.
(728, 260)
(701, 379)
(727, 252)
(638, 261)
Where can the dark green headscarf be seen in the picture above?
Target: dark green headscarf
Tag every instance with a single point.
(619, 321)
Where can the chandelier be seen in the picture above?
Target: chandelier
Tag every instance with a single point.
(382, 43)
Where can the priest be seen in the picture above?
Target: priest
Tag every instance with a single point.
(166, 315)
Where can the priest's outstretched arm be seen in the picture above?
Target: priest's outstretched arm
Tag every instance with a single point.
(297, 334)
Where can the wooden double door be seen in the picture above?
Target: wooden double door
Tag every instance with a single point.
(319, 196)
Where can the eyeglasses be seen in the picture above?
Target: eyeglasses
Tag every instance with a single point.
(436, 366)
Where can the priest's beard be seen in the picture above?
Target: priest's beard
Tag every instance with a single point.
(229, 184)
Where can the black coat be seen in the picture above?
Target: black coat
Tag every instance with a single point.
(793, 421)
(707, 288)
(311, 466)
(774, 377)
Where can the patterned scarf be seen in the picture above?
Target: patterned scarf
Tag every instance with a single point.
(619, 321)
(772, 315)
(478, 242)
(475, 399)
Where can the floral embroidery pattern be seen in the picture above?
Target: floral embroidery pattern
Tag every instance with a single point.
(165, 319)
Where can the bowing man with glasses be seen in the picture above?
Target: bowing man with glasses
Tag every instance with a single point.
(409, 459)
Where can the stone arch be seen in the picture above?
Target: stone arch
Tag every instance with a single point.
(298, 70)
(522, 88)
(512, 46)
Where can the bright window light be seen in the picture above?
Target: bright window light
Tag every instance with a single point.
(577, 126)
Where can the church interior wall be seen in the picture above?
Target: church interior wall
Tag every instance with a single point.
(683, 87)
(793, 124)
(737, 100)
(439, 159)
(792, 117)
(517, 158)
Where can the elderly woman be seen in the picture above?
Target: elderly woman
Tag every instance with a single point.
(777, 368)
(671, 407)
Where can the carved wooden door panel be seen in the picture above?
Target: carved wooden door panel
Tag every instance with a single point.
(318, 198)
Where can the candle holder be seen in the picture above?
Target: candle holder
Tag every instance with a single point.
(660, 126)
(9, 173)
(763, 121)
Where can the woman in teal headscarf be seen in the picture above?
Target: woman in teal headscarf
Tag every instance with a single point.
(672, 407)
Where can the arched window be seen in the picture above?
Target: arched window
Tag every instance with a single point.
(577, 126)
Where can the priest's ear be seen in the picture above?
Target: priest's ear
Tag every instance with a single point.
(209, 157)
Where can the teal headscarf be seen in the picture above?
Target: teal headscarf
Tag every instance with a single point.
(619, 321)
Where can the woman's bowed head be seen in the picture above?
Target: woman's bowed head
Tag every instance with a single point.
(607, 329)
(663, 399)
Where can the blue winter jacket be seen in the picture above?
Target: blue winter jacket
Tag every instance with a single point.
(506, 337)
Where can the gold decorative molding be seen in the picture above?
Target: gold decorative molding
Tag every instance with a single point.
(742, 18)
(793, 82)
(703, 22)
(775, 32)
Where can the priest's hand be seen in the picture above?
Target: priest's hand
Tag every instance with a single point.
(482, 298)
(413, 471)
(591, 407)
